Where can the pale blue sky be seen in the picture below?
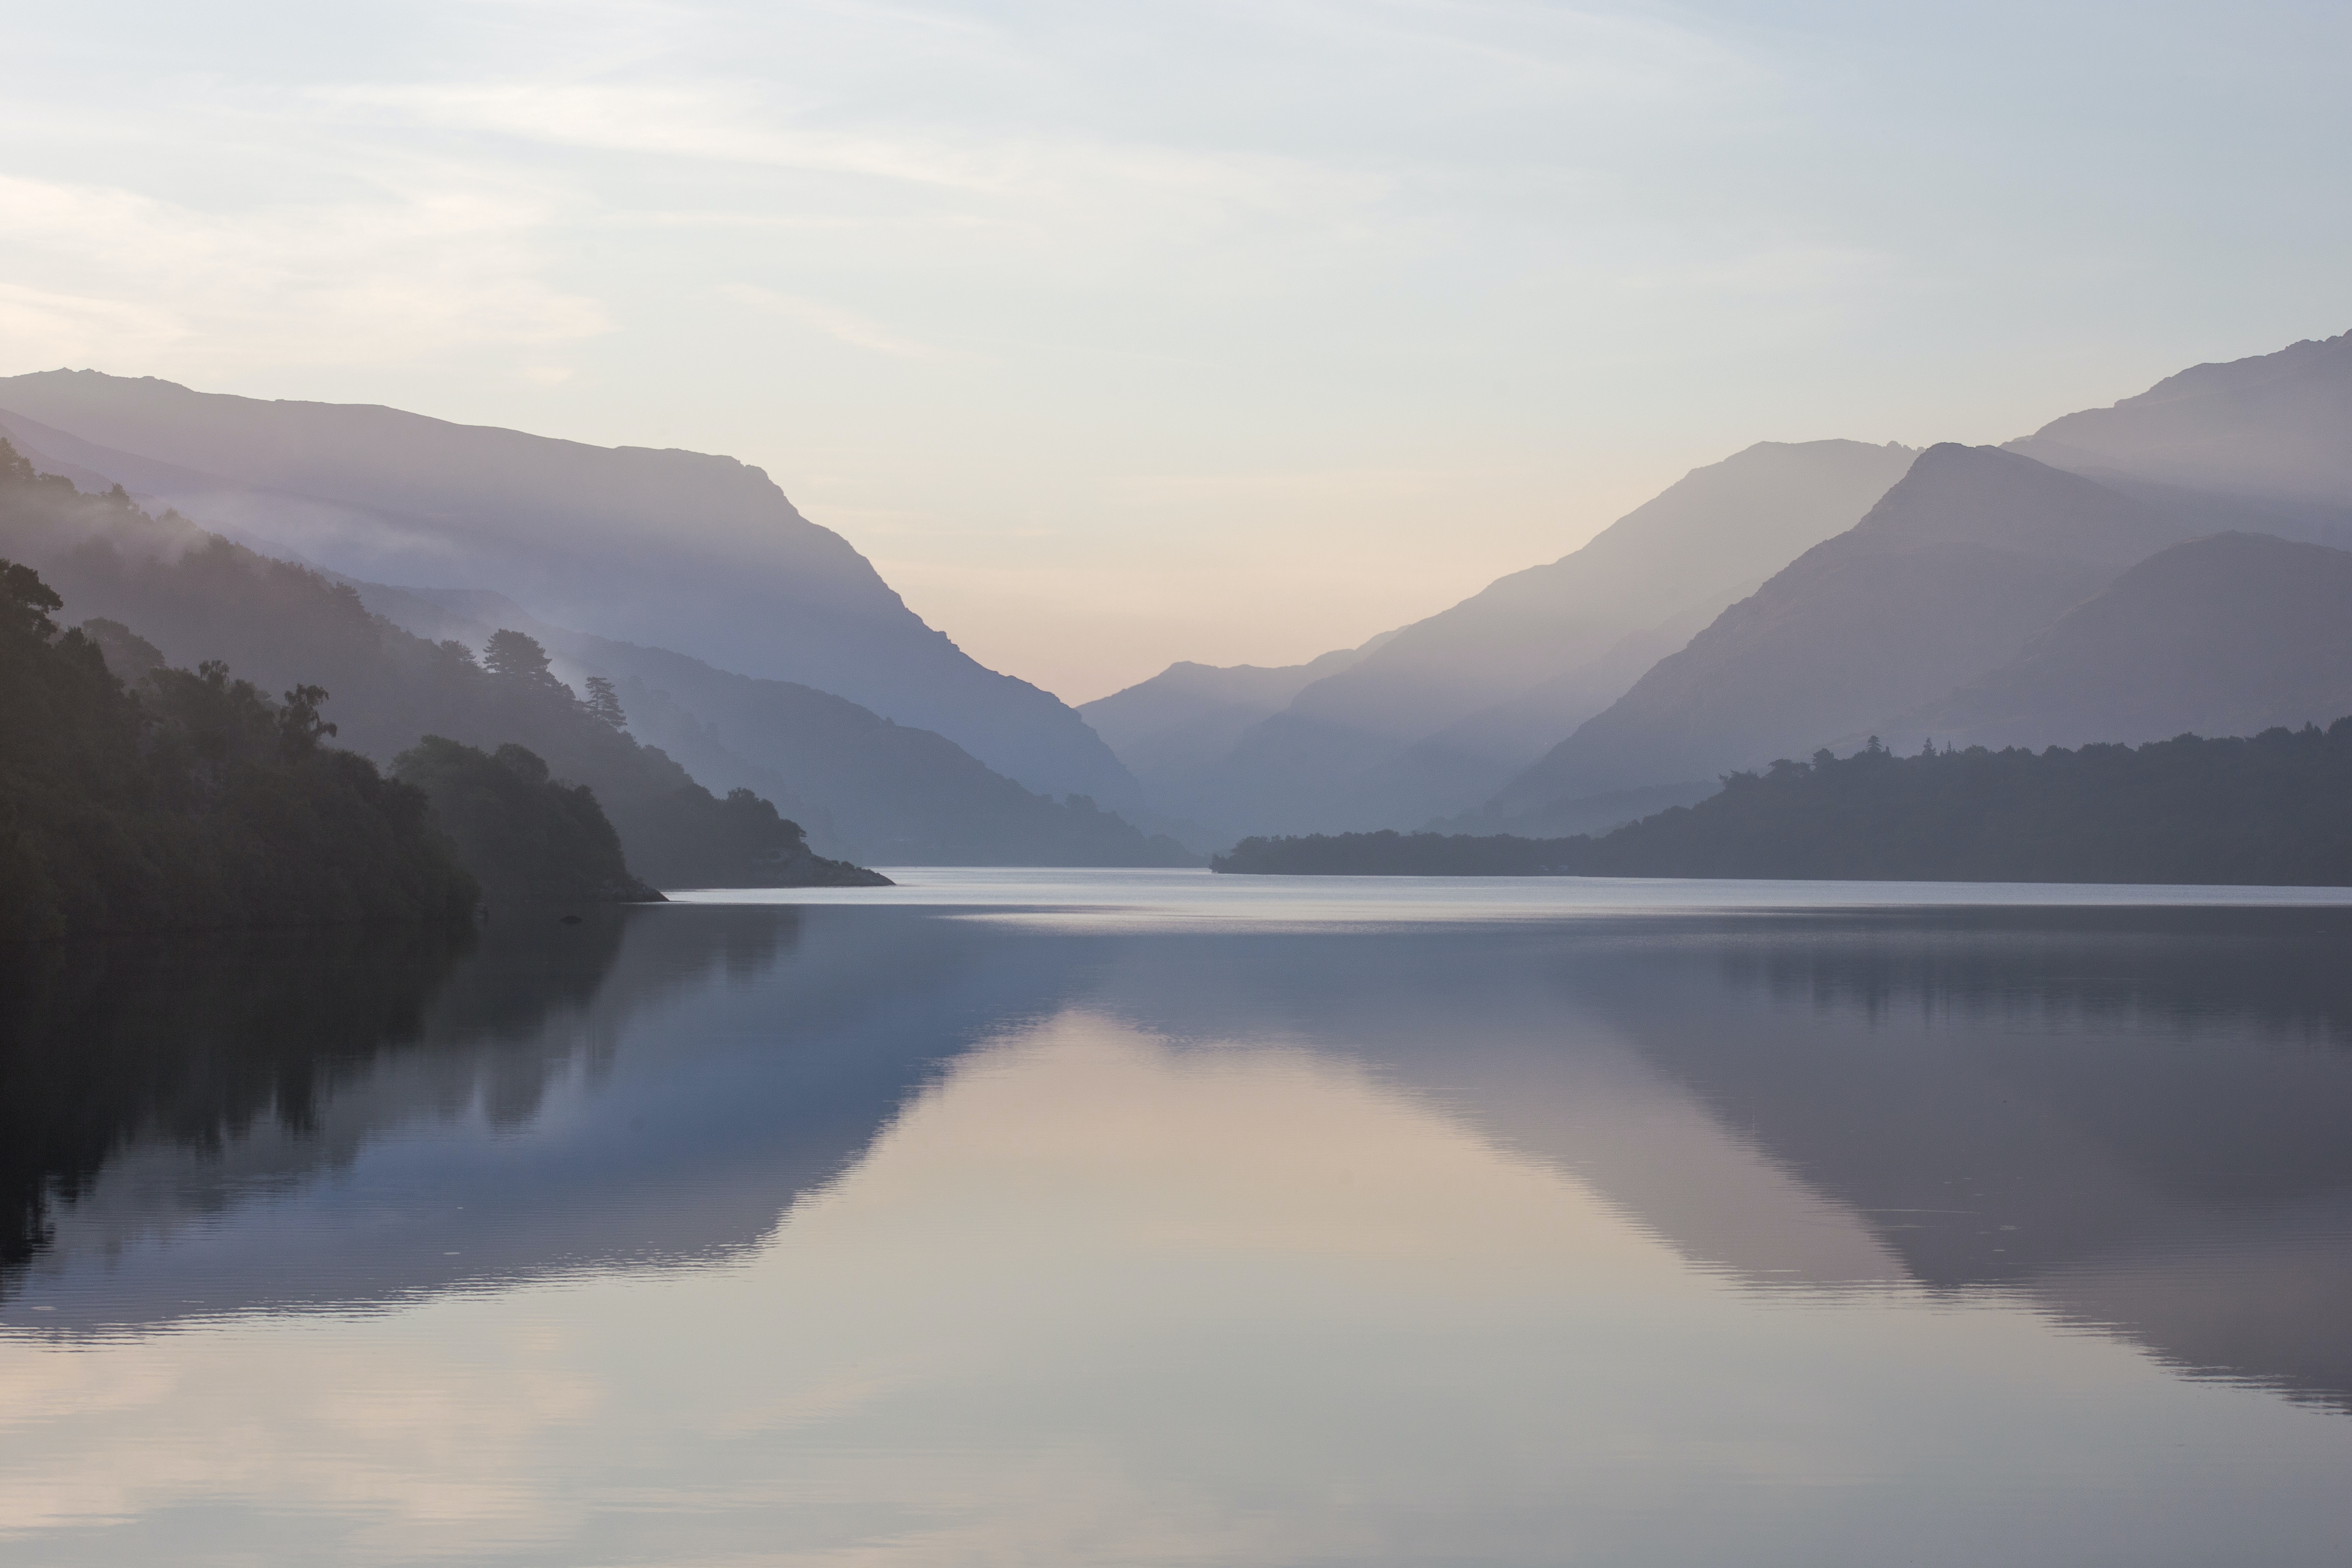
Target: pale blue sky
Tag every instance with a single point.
(1120, 334)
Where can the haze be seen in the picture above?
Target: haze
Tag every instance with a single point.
(1116, 336)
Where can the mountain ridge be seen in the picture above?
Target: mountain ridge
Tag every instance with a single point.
(1973, 552)
(691, 551)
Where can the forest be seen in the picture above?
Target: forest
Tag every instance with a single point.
(196, 801)
(195, 596)
(2274, 810)
(138, 796)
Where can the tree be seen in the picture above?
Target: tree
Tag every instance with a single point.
(193, 801)
(518, 656)
(298, 724)
(25, 601)
(605, 702)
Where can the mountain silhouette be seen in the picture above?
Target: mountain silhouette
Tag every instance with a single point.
(1189, 716)
(1434, 717)
(677, 549)
(2225, 635)
(866, 788)
(1975, 551)
(2276, 426)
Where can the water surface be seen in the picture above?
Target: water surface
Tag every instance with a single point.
(1156, 1219)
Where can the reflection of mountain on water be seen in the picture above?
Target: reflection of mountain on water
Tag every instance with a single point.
(2140, 1119)
(2143, 1119)
(651, 1086)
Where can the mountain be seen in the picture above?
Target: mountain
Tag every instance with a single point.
(2227, 635)
(1436, 715)
(1708, 539)
(1975, 551)
(866, 788)
(187, 597)
(2275, 427)
(682, 549)
(1189, 715)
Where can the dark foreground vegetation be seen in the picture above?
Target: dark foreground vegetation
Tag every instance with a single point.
(525, 837)
(198, 597)
(2274, 810)
(195, 801)
(529, 836)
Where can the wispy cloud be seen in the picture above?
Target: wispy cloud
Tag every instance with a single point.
(391, 273)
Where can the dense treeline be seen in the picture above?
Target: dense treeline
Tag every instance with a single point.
(2272, 810)
(196, 801)
(525, 837)
(743, 842)
(201, 598)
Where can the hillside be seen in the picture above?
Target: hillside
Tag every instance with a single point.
(1706, 540)
(198, 598)
(674, 549)
(2271, 811)
(1189, 716)
(195, 802)
(863, 787)
(1972, 553)
(2227, 635)
(1437, 716)
(2276, 426)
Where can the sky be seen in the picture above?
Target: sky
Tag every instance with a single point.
(1117, 334)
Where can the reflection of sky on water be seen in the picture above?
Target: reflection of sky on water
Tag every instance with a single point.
(873, 1237)
(1171, 899)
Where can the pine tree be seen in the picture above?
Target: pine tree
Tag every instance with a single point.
(605, 702)
(518, 656)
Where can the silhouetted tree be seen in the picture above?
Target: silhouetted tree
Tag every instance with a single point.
(298, 724)
(193, 802)
(518, 656)
(605, 702)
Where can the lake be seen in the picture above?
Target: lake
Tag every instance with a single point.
(1018, 1219)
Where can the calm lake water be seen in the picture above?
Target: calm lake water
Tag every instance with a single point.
(1150, 1218)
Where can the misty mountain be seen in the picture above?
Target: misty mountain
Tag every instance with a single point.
(1189, 716)
(2226, 636)
(677, 549)
(866, 788)
(2277, 427)
(1435, 717)
(186, 597)
(1975, 551)
(1673, 560)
